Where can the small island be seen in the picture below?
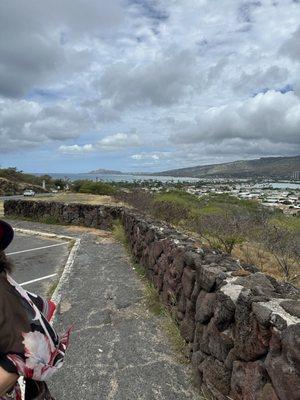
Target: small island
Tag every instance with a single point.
(105, 172)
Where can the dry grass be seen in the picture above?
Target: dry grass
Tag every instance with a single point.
(1, 209)
(256, 254)
(83, 198)
(176, 340)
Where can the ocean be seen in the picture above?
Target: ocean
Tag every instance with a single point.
(133, 177)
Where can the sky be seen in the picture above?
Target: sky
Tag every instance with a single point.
(147, 85)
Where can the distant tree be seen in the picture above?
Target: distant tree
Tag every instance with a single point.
(137, 198)
(169, 211)
(285, 247)
(87, 186)
(59, 183)
(226, 229)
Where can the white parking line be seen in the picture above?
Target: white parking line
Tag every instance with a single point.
(37, 280)
(37, 248)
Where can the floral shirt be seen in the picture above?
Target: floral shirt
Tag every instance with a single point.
(29, 346)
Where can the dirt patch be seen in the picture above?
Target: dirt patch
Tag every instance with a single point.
(83, 198)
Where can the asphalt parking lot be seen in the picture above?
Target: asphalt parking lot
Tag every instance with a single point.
(38, 261)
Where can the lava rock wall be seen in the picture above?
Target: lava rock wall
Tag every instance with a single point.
(242, 327)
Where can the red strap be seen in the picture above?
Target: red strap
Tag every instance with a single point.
(51, 309)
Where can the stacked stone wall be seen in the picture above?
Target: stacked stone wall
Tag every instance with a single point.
(242, 327)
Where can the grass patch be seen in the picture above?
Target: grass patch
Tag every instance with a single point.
(49, 220)
(52, 288)
(118, 232)
(291, 224)
(205, 395)
(176, 340)
(71, 244)
(83, 198)
(152, 299)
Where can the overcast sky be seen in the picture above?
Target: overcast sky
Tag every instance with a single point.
(147, 85)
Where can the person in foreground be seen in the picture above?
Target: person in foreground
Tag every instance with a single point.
(30, 349)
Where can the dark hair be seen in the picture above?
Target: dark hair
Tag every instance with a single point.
(5, 264)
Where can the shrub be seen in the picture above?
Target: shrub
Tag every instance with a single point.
(139, 199)
(285, 247)
(101, 188)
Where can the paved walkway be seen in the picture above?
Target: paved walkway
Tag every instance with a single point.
(118, 350)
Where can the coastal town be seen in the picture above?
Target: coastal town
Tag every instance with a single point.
(283, 196)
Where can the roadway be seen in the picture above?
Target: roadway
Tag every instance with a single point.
(20, 196)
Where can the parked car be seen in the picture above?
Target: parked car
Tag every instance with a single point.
(29, 193)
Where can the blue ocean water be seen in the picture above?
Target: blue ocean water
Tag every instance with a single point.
(133, 177)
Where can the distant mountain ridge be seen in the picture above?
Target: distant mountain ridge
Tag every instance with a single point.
(265, 167)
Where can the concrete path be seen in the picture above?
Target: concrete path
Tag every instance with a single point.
(118, 349)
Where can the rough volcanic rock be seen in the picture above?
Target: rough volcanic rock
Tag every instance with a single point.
(251, 268)
(190, 309)
(188, 281)
(187, 328)
(283, 362)
(205, 306)
(219, 344)
(200, 341)
(181, 305)
(155, 249)
(158, 281)
(216, 377)
(163, 264)
(259, 284)
(248, 380)
(195, 292)
(292, 307)
(191, 258)
(267, 393)
(224, 311)
(251, 338)
(262, 313)
(209, 277)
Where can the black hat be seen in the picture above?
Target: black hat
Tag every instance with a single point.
(6, 234)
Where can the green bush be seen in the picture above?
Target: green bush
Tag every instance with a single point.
(92, 187)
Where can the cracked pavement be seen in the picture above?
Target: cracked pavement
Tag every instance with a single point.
(118, 349)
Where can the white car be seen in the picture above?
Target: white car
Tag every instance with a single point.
(29, 193)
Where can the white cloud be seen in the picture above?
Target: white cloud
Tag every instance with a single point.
(119, 140)
(29, 124)
(161, 81)
(156, 156)
(273, 116)
(183, 73)
(292, 46)
(258, 79)
(76, 149)
(108, 143)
